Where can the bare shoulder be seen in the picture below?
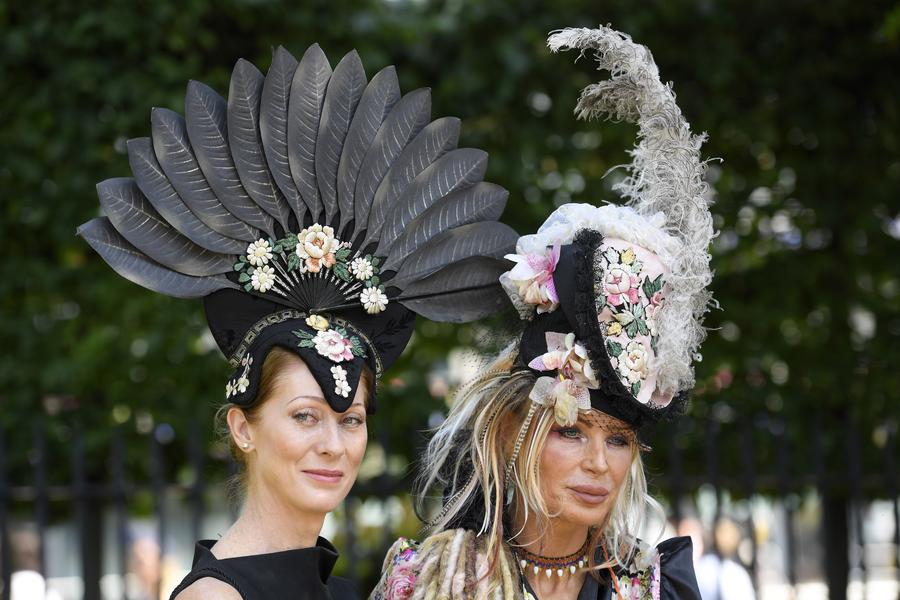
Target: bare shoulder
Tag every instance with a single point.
(206, 588)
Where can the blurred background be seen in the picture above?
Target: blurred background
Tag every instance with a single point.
(786, 468)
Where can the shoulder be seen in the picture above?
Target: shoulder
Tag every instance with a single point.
(207, 588)
(410, 564)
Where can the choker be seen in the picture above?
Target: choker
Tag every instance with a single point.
(559, 566)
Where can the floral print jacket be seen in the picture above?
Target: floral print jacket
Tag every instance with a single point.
(662, 573)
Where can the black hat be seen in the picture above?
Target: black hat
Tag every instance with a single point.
(313, 210)
(613, 297)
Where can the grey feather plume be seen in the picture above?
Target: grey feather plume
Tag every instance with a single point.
(482, 202)
(456, 170)
(487, 238)
(435, 140)
(244, 94)
(307, 96)
(207, 127)
(344, 91)
(136, 219)
(158, 190)
(403, 123)
(173, 151)
(462, 292)
(132, 264)
(377, 100)
(273, 126)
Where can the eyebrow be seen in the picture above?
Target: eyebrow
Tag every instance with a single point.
(321, 399)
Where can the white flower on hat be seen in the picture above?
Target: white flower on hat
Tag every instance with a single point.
(242, 384)
(341, 387)
(362, 269)
(263, 279)
(333, 346)
(317, 245)
(259, 253)
(373, 300)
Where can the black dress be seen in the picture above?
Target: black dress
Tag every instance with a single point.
(303, 574)
(677, 579)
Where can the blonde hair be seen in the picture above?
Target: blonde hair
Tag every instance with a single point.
(481, 431)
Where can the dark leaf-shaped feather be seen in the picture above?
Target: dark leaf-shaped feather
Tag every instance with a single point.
(206, 114)
(487, 238)
(175, 156)
(344, 91)
(159, 191)
(462, 292)
(377, 100)
(456, 170)
(481, 202)
(305, 110)
(246, 146)
(136, 219)
(403, 123)
(132, 264)
(273, 126)
(438, 138)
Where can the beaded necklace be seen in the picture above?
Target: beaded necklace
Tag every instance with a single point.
(559, 566)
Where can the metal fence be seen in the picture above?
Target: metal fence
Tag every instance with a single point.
(845, 491)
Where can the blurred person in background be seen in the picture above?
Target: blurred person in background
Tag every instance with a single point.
(539, 461)
(722, 576)
(27, 583)
(265, 205)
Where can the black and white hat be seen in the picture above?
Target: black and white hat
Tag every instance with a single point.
(314, 210)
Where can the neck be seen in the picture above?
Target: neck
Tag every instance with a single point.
(268, 524)
(558, 538)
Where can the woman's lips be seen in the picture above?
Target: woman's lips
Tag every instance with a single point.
(590, 494)
(325, 475)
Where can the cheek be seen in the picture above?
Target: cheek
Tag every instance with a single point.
(619, 461)
(356, 442)
(558, 460)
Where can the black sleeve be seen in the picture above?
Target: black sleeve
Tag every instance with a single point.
(676, 562)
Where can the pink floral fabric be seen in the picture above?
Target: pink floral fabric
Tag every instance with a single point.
(399, 579)
(632, 292)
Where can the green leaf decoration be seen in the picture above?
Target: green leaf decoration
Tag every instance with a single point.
(342, 254)
(631, 329)
(243, 278)
(303, 335)
(373, 281)
(651, 287)
(654, 340)
(613, 348)
(242, 258)
(307, 344)
(642, 326)
(248, 287)
(293, 262)
(638, 311)
(289, 240)
(342, 331)
(636, 388)
(341, 272)
(374, 260)
(238, 266)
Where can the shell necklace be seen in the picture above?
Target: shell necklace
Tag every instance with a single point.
(559, 566)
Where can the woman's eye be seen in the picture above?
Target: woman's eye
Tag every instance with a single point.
(353, 421)
(304, 417)
(619, 441)
(569, 433)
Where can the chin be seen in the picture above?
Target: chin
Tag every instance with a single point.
(310, 499)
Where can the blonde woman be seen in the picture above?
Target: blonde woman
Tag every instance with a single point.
(539, 461)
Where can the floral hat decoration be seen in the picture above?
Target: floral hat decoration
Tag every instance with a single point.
(614, 296)
(315, 210)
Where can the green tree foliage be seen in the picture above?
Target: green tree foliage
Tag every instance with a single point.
(799, 98)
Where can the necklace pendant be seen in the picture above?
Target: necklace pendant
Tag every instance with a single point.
(523, 563)
(559, 572)
(572, 569)
(536, 569)
(549, 573)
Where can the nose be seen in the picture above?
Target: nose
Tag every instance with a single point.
(329, 441)
(595, 456)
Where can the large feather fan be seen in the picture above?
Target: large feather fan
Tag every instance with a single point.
(311, 187)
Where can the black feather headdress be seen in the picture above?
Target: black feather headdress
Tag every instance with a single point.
(315, 210)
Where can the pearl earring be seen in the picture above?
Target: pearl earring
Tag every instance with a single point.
(245, 445)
